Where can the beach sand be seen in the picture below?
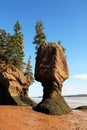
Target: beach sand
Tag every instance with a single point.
(24, 118)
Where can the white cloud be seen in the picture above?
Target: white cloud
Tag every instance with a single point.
(85, 84)
(67, 88)
(81, 76)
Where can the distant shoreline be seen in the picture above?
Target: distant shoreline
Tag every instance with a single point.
(77, 95)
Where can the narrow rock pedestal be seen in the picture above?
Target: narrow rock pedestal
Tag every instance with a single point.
(52, 103)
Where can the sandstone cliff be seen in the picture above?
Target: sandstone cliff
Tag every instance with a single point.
(13, 85)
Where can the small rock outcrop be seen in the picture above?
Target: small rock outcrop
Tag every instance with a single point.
(13, 84)
(51, 70)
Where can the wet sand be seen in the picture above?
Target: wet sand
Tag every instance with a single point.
(24, 118)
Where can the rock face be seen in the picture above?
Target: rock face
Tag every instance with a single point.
(51, 70)
(13, 84)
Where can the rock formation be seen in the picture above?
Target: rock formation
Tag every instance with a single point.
(13, 85)
(51, 70)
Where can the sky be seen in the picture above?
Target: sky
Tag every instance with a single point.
(64, 20)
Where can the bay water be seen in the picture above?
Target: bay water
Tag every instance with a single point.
(72, 101)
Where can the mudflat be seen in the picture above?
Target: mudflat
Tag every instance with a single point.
(24, 118)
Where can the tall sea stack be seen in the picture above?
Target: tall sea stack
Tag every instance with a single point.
(51, 70)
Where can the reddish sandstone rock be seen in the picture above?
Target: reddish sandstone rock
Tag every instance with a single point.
(13, 83)
(51, 70)
(51, 64)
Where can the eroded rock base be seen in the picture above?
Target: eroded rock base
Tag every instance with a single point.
(52, 103)
(56, 106)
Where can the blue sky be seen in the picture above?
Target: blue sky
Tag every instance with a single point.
(64, 20)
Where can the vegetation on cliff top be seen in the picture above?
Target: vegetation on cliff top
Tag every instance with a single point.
(12, 50)
(11, 46)
(28, 70)
(40, 37)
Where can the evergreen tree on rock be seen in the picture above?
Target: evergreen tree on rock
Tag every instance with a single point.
(3, 37)
(40, 37)
(28, 70)
(18, 42)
